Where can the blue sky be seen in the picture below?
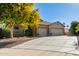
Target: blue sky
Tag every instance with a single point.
(62, 12)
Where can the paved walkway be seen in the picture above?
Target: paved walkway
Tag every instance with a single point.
(55, 43)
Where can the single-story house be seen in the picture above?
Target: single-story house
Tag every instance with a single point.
(50, 29)
(46, 29)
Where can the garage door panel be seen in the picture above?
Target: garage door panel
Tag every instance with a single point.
(42, 32)
(57, 31)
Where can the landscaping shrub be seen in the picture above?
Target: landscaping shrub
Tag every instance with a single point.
(73, 28)
(19, 33)
(28, 32)
(6, 33)
(1, 33)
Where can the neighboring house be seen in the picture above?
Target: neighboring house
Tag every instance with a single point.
(47, 28)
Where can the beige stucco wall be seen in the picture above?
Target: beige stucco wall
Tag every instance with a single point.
(56, 26)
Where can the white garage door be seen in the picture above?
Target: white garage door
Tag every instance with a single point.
(57, 31)
(42, 32)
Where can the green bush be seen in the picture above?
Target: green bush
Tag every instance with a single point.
(28, 32)
(1, 33)
(6, 33)
(19, 33)
(73, 27)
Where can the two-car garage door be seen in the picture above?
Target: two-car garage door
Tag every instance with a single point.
(52, 31)
(56, 31)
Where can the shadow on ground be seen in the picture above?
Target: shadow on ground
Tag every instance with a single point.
(5, 44)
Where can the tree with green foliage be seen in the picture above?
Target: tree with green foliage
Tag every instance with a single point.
(34, 21)
(13, 14)
(19, 14)
(77, 29)
(73, 27)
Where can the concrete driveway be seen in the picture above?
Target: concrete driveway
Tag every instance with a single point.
(27, 52)
(54, 43)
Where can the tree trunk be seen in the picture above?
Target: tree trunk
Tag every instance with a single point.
(34, 31)
(11, 32)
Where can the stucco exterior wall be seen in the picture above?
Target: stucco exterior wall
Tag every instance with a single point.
(56, 26)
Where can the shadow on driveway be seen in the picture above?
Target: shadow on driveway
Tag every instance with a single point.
(6, 44)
